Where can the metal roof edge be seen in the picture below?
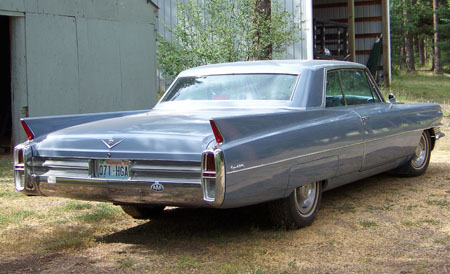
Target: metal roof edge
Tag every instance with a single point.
(150, 1)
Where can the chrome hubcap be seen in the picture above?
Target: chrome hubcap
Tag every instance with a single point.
(420, 157)
(306, 198)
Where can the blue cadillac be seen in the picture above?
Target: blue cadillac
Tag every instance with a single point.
(232, 135)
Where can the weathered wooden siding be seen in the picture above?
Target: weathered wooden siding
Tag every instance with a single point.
(79, 56)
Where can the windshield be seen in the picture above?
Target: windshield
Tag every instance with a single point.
(233, 87)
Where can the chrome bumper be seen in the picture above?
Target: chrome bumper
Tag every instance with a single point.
(439, 134)
(186, 193)
(120, 192)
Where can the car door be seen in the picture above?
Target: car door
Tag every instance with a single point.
(348, 136)
(384, 139)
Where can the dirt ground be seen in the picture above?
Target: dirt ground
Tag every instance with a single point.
(383, 224)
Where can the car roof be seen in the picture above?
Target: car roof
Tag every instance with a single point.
(269, 66)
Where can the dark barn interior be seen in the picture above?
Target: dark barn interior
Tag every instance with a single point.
(5, 86)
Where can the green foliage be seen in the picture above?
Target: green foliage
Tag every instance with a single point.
(409, 16)
(215, 31)
(416, 17)
(444, 35)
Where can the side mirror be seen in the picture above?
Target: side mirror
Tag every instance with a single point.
(392, 98)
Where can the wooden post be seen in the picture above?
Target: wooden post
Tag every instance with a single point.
(351, 30)
(386, 40)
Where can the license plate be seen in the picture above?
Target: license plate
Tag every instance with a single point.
(113, 169)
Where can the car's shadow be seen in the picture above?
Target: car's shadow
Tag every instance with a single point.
(179, 225)
(187, 223)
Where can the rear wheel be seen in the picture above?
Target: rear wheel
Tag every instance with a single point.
(299, 209)
(420, 159)
(143, 212)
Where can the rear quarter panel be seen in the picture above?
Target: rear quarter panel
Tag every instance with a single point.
(267, 155)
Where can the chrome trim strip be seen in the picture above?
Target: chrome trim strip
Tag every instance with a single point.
(101, 181)
(220, 177)
(140, 170)
(295, 88)
(165, 169)
(62, 163)
(319, 152)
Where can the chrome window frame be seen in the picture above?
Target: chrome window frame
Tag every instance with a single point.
(371, 82)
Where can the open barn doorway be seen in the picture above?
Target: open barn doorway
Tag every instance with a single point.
(5, 86)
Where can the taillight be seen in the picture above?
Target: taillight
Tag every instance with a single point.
(27, 129)
(20, 157)
(19, 167)
(213, 177)
(217, 134)
(209, 165)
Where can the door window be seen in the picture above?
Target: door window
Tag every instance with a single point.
(349, 87)
(356, 87)
(335, 97)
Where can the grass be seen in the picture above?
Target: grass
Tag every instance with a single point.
(75, 206)
(67, 238)
(367, 224)
(441, 203)
(5, 169)
(345, 208)
(102, 211)
(126, 262)
(9, 215)
(422, 86)
(421, 222)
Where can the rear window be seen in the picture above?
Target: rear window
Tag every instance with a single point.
(233, 87)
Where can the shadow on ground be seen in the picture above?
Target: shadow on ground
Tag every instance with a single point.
(212, 226)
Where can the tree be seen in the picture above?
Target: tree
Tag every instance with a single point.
(437, 50)
(444, 34)
(408, 23)
(215, 31)
(263, 9)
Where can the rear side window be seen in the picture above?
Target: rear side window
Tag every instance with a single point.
(355, 86)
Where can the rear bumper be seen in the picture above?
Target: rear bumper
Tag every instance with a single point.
(147, 191)
(120, 192)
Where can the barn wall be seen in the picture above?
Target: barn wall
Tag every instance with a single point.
(80, 56)
(168, 12)
(301, 10)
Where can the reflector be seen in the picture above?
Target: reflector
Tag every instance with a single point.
(217, 134)
(28, 131)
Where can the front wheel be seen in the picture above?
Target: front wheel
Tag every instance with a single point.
(299, 209)
(420, 159)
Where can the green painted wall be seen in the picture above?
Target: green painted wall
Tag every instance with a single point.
(81, 56)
